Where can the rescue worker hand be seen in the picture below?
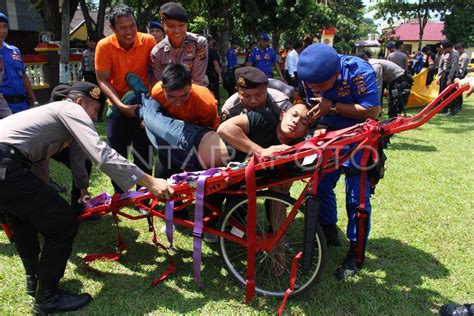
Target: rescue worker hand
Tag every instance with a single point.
(129, 110)
(157, 186)
(85, 196)
(273, 149)
(320, 108)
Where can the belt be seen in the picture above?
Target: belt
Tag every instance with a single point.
(14, 98)
(10, 152)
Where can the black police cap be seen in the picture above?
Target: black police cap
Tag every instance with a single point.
(59, 92)
(250, 77)
(446, 43)
(88, 89)
(174, 11)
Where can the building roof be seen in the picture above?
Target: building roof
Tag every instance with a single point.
(367, 43)
(78, 20)
(409, 31)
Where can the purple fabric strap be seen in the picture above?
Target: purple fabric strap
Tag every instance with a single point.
(169, 221)
(98, 200)
(198, 222)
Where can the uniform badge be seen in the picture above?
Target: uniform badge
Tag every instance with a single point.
(95, 93)
(241, 82)
(266, 56)
(361, 85)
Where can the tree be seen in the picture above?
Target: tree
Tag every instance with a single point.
(94, 28)
(50, 13)
(408, 9)
(64, 54)
(459, 23)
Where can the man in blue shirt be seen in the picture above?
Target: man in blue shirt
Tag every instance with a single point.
(16, 86)
(231, 55)
(348, 95)
(263, 57)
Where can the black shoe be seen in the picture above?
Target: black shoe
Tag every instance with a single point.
(332, 237)
(31, 285)
(349, 266)
(50, 299)
(457, 310)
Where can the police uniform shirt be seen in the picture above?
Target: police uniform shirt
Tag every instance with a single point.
(263, 60)
(449, 65)
(192, 53)
(399, 58)
(4, 109)
(355, 84)
(88, 60)
(40, 132)
(463, 61)
(231, 58)
(385, 71)
(14, 70)
(276, 102)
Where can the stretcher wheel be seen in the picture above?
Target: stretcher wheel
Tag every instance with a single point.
(268, 280)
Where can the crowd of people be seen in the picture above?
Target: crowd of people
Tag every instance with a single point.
(162, 92)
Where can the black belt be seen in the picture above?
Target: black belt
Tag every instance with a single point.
(10, 152)
(14, 98)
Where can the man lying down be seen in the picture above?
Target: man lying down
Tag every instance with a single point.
(195, 147)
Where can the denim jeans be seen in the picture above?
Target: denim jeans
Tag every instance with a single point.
(176, 140)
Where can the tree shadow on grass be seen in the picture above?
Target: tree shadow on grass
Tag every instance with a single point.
(391, 283)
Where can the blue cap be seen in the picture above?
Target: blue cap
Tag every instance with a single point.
(3, 17)
(155, 25)
(318, 63)
(264, 36)
(391, 45)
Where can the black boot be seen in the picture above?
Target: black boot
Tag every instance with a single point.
(51, 299)
(332, 237)
(348, 267)
(31, 278)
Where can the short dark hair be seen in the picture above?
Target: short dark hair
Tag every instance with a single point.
(458, 45)
(118, 10)
(297, 44)
(362, 55)
(176, 77)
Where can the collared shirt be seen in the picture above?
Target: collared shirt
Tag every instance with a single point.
(263, 60)
(4, 109)
(449, 65)
(385, 71)
(355, 84)
(399, 58)
(200, 108)
(276, 102)
(292, 62)
(231, 58)
(14, 70)
(109, 56)
(192, 53)
(463, 61)
(40, 132)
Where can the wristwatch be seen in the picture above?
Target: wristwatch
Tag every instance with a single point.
(333, 108)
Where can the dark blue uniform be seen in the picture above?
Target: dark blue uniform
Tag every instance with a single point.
(263, 60)
(231, 58)
(356, 84)
(13, 88)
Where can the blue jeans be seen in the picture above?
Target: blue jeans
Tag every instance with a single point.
(328, 214)
(19, 106)
(174, 139)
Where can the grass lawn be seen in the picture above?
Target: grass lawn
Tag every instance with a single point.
(419, 256)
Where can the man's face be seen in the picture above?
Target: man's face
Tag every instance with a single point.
(126, 30)
(157, 34)
(326, 85)
(253, 99)
(294, 123)
(262, 43)
(91, 44)
(3, 31)
(178, 97)
(89, 105)
(176, 30)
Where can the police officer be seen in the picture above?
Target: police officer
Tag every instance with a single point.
(156, 29)
(448, 70)
(34, 207)
(179, 46)
(263, 57)
(253, 93)
(395, 78)
(4, 109)
(349, 95)
(16, 86)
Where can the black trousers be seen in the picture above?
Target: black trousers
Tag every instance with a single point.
(398, 93)
(35, 208)
(456, 103)
(123, 132)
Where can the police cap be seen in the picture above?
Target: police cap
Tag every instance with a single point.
(391, 45)
(174, 11)
(249, 77)
(446, 43)
(155, 25)
(318, 63)
(60, 92)
(3, 17)
(264, 36)
(88, 89)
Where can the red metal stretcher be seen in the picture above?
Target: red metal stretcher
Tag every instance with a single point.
(265, 239)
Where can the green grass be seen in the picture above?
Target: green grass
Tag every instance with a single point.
(419, 255)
